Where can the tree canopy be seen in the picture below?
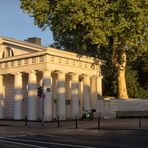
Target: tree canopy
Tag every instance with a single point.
(86, 27)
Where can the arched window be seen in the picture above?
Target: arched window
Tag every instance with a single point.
(7, 52)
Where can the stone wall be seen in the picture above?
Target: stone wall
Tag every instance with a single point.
(107, 108)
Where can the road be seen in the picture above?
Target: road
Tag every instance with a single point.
(85, 136)
(80, 139)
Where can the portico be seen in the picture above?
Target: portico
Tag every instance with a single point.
(69, 82)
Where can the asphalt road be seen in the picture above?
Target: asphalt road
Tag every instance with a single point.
(113, 134)
(80, 139)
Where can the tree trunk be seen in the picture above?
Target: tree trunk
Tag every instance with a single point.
(119, 61)
(122, 91)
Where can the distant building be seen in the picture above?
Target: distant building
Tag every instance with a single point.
(69, 82)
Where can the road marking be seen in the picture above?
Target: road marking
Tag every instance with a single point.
(52, 143)
(13, 136)
(51, 136)
(18, 143)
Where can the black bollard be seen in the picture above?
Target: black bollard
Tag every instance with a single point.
(25, 120)
(139, 122)
(98, 122)
(58, 122)
(76, 121)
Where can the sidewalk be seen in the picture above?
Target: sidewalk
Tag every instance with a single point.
(87, 127)
(85, 124)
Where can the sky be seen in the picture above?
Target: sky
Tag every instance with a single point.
(14, 23)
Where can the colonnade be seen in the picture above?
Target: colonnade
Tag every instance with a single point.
(48, 102)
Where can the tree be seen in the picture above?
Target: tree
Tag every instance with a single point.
(85, 26)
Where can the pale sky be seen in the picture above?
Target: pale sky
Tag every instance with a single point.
(14, 23)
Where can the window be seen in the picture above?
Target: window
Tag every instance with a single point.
(7, 52)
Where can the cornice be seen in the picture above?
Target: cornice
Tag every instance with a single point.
(41, 50)
(24, 56)
(68, 55)
(12, 41)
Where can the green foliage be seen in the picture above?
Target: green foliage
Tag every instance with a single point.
(134, 77)
(87, 26)
(134, 87)
(135, 90)
(87, 22)
(137, 61)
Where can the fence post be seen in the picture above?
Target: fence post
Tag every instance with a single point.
(58, 122)
(98, 121)
(76, 121)
(139, 122)
(25, 120)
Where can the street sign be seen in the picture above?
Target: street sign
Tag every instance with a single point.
(48, 89)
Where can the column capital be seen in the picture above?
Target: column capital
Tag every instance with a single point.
(31, 71)
(46, 73)
(100, 77)
(1, 76)
(48, 70)
(18, 73)
(74, 77)
(84, 75)
(61, 75)
(59, 72)
(72, 73)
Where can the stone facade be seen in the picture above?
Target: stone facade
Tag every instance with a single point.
(69, 82)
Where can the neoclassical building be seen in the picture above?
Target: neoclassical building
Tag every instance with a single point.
(70, 83)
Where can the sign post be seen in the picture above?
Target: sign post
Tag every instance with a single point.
(43, 97)
(40, 93)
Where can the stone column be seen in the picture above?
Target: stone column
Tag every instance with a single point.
(86, 92)
(94, 96)
(99, 87)
(54, 95)
(18, 96)
(74, 96)
(48, 95)
(100, 107)
(1, 98)
(61, 103)
(32, 96)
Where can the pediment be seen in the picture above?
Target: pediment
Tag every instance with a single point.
(12, 47)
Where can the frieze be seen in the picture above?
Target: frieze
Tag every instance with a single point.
(12, 63)
(19, 62)
(92, 66)
(26, 61)
(85, 65)
(52, 59)
(33, 60)
(60, 60)
(6, 64)
(80, 64)
(67, 62)
(41, 59)
(71, 62)
(56, 60)
(74, 62)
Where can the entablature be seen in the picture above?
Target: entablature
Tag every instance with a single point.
(44, 60)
